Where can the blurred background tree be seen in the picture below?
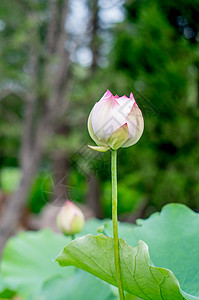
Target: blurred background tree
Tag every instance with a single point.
(58, 57)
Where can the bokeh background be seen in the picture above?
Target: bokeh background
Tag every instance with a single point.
(57, 58)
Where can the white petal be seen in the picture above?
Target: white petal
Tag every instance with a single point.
(135, 124)
(126, 105)
(92, 134)
(106, 118)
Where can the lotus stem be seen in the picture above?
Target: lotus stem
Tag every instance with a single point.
(115, 225)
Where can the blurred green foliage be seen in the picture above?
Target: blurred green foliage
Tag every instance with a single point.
(159, 59)
(9, 179)
(154, 54)
(40, 192)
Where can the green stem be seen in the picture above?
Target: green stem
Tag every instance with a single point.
(72, 237)
(115, 226)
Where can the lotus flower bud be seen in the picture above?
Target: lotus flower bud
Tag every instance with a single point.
(70, 219)
(115, 122)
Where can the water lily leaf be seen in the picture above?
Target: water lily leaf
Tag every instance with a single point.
(171, 272)
(6, 292)
(175, 233)
(94, 254)
(76, 287)
(27, 260)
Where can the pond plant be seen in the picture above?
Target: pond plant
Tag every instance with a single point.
(115, 122)
(154, 259)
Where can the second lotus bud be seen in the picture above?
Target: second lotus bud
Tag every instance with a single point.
(70, 219)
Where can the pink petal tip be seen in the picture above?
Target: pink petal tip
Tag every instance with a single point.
(108, 94)
(132, 97)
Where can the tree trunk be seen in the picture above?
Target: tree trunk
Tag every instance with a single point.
(14, 206)
(41, 111)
